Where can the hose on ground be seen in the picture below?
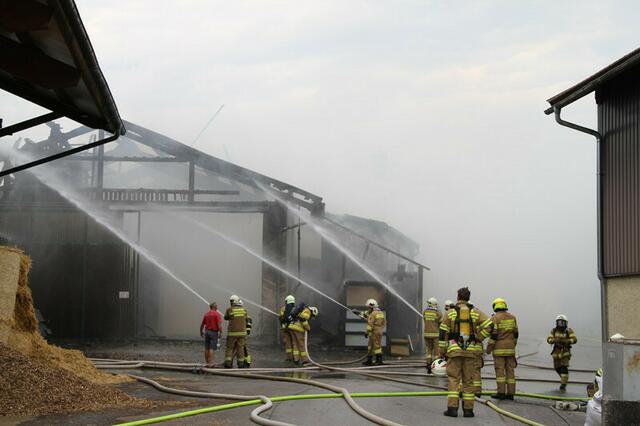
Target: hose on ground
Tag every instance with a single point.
(284, 398)
(506, 413)
(339, 390)
(255, 414)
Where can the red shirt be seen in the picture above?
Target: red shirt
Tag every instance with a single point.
(212, 320)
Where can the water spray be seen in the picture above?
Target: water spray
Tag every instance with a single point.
(320, 229)
(52, 181)
(259, 256)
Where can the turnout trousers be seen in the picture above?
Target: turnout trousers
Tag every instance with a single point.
(236, 347)
(297, 341)
(431, 349)
(460, 370)
(561, 365)
(505, 367)
(374, 346)
(288, 344)
(477, 372)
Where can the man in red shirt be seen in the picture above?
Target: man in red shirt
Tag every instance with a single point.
(211, 330)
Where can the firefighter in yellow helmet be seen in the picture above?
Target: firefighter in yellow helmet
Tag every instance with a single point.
(562, 337)
(464, 328)
(502, 344)
(302, 314)
(238, 317)
(432, 319)
(285, 319)
(375, 329)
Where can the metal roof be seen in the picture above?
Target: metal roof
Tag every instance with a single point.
(590, 84)
(47, 58)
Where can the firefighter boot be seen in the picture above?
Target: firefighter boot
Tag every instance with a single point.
(509, 397)
(498, 396)
(379, 359)
(368, 361)
(467, 413)
(451, 412)
(563, 387)
(429, 368)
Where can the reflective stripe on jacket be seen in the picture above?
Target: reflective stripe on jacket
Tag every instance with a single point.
(237, 317)
(432, 318)
(472, 321)
(301, 323)
(504, 334)
(561, 341)
(376, 321)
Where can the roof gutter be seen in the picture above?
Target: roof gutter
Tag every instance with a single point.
(603, 289)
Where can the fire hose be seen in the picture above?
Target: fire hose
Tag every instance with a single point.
(104, 363)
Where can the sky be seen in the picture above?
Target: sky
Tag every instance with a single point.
(425, 115)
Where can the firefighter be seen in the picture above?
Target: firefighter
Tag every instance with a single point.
(502, 343)
(432, 318)
(238, 317)
(285, 312)
(246, 356)
(478, 354)
(562, 337)
(464, 327)
(448, 304)
(298, 327)
(375, 328)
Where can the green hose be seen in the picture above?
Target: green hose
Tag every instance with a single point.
(223, 407)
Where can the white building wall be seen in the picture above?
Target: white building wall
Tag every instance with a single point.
(212, 266)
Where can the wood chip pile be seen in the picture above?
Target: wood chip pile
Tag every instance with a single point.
(34, 387)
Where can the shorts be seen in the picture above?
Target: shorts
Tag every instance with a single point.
(211, 340)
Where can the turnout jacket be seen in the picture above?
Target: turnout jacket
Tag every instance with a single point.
(432, 319)
(301, 323)
(238, 318)
(463, 330)
(561, 341)
(375, 321)
(504, 334)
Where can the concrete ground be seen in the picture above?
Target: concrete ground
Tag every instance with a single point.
(404, 410)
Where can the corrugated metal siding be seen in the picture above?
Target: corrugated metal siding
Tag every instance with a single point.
(619, 123)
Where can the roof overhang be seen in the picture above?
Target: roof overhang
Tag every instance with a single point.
(47, 59)
(592, 83)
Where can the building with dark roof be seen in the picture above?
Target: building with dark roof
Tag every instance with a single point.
(617, 96)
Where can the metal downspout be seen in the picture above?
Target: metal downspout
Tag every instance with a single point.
(603, 289)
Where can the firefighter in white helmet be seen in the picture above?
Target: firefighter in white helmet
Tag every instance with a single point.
(285, 319)
(238, 318)
(562, 337)
(432, 319)
(298, 327)
(375, 328)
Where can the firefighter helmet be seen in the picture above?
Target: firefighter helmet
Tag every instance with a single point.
(234, 299)
(439, 367)
(561, 321)
(372, 303)
(289, 299)
(432, 302)
(499, 304)
(314, 311)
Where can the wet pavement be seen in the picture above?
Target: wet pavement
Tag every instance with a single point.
(404, 410)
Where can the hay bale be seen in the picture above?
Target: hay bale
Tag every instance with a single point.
(10, 262)
(21, 331)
